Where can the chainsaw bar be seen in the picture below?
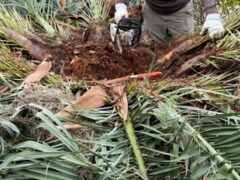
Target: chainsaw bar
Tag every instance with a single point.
(120, 48)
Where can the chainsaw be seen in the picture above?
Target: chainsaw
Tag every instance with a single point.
(127, 32)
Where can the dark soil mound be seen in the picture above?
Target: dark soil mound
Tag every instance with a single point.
(102, 61)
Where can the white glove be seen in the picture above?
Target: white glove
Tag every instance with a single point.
(120, 11)
(213, 26)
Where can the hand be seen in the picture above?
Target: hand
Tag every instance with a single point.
(120, 11)
(213, 26)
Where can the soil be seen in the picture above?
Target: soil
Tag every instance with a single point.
(101, 60)
(97, 61)
(93, 56)
(96, 57)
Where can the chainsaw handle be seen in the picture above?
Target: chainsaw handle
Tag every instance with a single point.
(146, 75)
(126, 24)
(129, 23)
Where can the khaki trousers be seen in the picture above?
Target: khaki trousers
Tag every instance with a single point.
(165, 27)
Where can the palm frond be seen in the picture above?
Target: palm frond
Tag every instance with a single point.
(94, 11)
(59, 159)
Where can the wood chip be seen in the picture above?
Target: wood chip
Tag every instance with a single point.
(96, 97)
(41, 71)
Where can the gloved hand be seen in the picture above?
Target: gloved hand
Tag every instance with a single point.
(120, 11)
(213, 26)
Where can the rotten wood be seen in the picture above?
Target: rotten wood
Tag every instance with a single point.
(96, 97)
(35, 50)
(190, 63)
(42, 70)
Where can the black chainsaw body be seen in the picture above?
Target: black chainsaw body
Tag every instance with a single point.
(126, 24)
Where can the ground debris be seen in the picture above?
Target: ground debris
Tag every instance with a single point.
(190, 63)
(96, 97)
(41, 96)
(94, 61)
(42, 70)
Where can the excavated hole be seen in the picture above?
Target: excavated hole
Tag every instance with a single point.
(101, 61)
(98, 58)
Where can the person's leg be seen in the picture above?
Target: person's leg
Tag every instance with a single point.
(181, 22)
(154, 23)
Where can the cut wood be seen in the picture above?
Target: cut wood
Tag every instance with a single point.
(96, 97)
(190, 63)
(41, 71)
(35, 50)
(166, 61)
